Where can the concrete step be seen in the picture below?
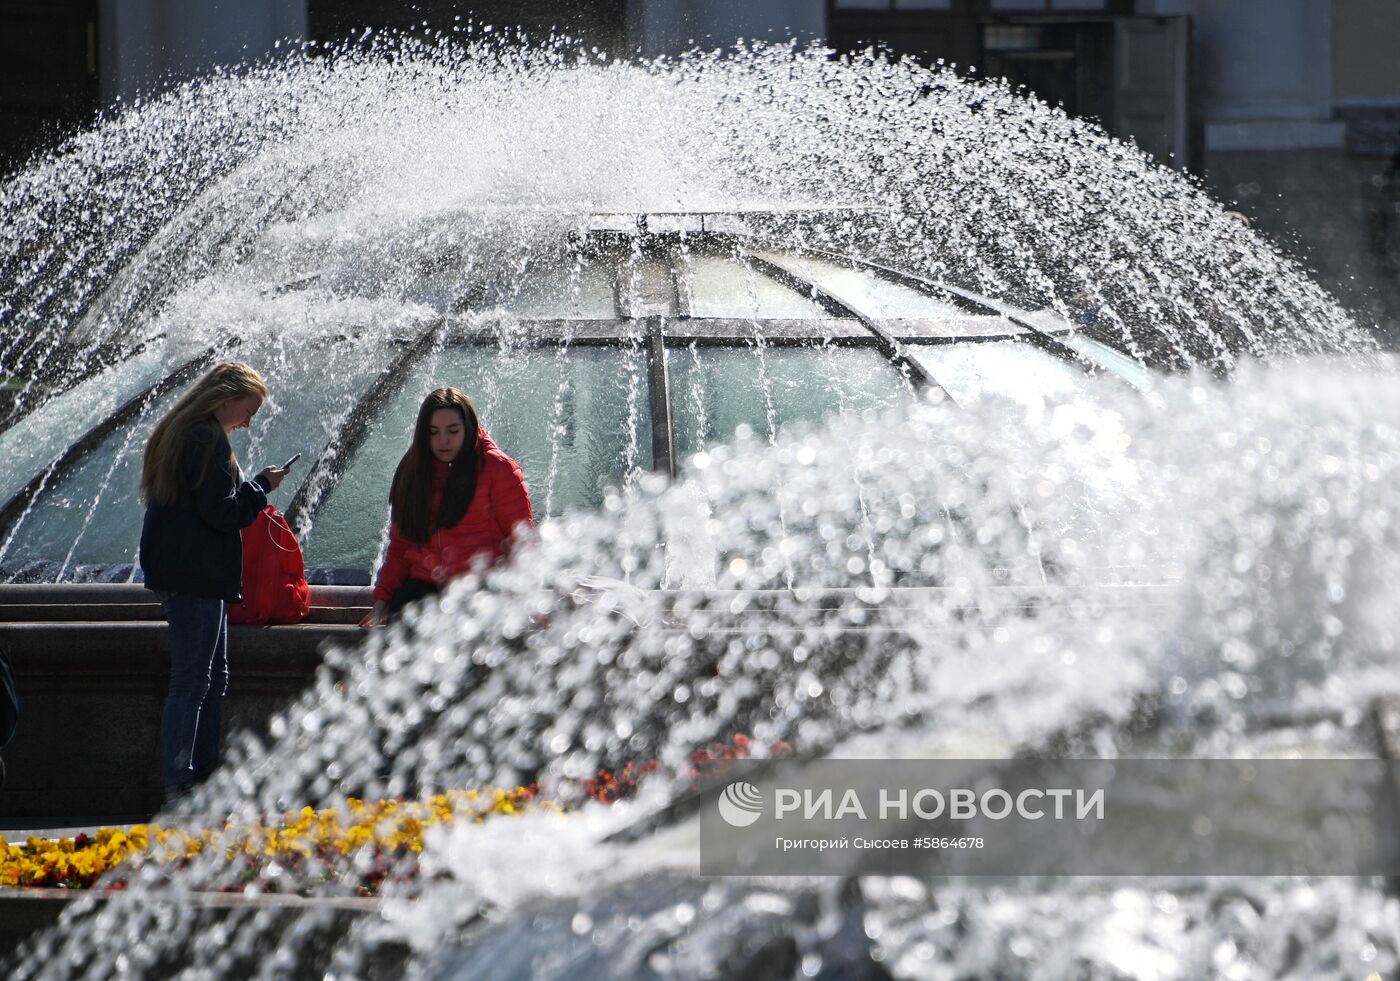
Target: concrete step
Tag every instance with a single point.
(149, 612)
(132, 602)
(45, 612)
(101, 644)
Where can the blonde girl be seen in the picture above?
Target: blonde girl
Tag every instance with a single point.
(197, 502)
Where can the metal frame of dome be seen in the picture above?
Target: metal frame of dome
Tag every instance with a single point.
(652, 315)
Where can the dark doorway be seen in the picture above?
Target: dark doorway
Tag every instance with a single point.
(1094, 58)
(928, 33)
(48, 75)
(1065, 63)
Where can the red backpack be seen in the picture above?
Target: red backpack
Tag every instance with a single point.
(274, 577)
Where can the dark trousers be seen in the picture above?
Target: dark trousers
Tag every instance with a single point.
(411, 591)
(194, 707)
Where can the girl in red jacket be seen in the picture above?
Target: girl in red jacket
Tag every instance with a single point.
(454, 504)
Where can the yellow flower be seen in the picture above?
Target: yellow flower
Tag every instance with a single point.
(389, 825)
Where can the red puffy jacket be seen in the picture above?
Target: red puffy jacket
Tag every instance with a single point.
(501, 503)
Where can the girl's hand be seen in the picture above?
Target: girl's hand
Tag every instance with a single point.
(377, 616)
(273, 475)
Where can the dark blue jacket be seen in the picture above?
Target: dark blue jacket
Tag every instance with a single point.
(193, 546)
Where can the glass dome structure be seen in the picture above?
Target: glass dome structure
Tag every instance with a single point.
(633, 344)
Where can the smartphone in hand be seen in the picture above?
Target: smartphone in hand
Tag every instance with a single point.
(294, 459)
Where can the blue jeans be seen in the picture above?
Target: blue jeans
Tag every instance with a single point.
(194, 708)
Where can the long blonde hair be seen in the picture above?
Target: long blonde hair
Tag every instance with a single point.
(162, 481)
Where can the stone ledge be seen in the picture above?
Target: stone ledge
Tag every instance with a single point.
(126, 646)
(89, 594)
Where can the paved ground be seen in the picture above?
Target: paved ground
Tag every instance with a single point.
(18, 832)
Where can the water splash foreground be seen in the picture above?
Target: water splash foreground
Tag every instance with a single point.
(1268, 504)
(1189, 575)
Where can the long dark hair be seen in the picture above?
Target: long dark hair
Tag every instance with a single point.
(409, 496)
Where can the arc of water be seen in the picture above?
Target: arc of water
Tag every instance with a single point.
(1041, 338)
(828, 351)
(557, 427)
(759, 341)
(127, 294)
(765, 386)
(681, 272)
(643, 297)
(659, 389)
(697, 396)
(636, 349)
(185, 248)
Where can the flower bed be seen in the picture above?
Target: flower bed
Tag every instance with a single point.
(392, 829)
(376, 841)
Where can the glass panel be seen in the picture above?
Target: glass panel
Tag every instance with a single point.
(312, 388)
(1016, 371)
(865, 292)
(1111, 360)
(580, 289)
(350, 524)
(41, 436)
(1018, 4)
(93, 515)
(440, 291)
(94, 506)
(923, 4)
(646, 287)
(862, 4)
(576, 419)
(574, 288)
(721, 287)
(715, 390)
(1044, 319)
